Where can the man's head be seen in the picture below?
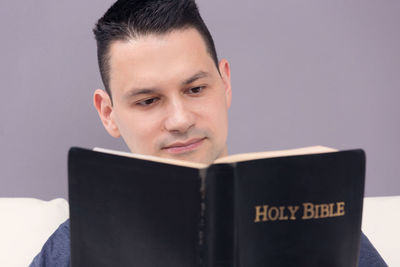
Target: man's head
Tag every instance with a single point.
(130, 19)
(166, 94)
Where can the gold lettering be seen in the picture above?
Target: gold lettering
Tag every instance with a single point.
(331, 209)
(292, 211)
(340, 208)
(324, 211)
(282, 212)
(316, 211)
(260, 213)
(308, 212)
(276, 211)
(266, 213)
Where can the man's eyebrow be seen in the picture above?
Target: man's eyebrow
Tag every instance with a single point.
(143, 91)
(198, 75)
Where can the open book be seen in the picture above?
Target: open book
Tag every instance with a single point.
(299, 207)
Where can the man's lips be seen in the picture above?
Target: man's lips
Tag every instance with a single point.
(181, 147)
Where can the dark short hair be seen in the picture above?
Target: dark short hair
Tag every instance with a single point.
(127, 19)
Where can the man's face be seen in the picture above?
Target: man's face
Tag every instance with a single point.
(168, 98)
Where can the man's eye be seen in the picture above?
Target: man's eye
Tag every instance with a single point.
(196, 90)
(147, 102)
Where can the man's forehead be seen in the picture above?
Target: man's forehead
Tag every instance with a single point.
(155, 58)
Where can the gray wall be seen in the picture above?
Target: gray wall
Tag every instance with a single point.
(304, 73)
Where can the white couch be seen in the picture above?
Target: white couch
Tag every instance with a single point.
(26, 223)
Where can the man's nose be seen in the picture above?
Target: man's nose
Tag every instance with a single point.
(179, 118)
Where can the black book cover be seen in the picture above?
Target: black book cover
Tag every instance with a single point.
(302, 210)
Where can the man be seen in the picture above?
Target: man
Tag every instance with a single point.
(165, 93)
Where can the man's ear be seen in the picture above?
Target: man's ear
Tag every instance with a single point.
(225, 71)
(103, 105)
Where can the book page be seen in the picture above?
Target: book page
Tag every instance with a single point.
(277, 153)
(227, 159)
(182, 163)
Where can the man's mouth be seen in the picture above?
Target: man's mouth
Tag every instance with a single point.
(182, 147)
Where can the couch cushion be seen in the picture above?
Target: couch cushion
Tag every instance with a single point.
(381, 224)
(25, 225)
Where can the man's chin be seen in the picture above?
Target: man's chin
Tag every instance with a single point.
(196, 152)
(197, 156)
(188, 156)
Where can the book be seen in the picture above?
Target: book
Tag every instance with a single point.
(299, 207)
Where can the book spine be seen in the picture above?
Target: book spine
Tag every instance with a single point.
(219, 217)
(201, 236)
